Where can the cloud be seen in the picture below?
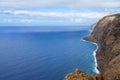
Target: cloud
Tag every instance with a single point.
(56, 11)
(55, 14)
(60, 3)
(77, 20)
(27, 16)
(43, 17)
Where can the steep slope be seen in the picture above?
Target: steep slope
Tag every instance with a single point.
(106, 33)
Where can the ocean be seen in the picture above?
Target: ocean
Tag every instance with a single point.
(44, 55)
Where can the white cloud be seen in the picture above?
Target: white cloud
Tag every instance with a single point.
(56, 11)
(111, 6)
(56, 14)
(27, 16)
(60, 3)
(77, 20)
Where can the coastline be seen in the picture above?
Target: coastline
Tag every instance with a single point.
(94, 55)
(95, 59)
(106, 37)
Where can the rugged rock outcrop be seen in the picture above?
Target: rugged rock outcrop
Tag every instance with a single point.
(80, 75)
(106, 34)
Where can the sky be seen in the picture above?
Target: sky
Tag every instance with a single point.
(55, 12)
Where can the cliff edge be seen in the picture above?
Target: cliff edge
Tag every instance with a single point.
(106, 33)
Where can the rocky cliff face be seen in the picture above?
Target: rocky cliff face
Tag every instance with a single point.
(106, 34)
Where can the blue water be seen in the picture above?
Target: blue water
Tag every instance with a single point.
(44, 55)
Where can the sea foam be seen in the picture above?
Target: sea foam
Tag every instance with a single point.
(95, 60)
(94, 55)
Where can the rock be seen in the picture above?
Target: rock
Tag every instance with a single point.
(106, 33)
(78, 75)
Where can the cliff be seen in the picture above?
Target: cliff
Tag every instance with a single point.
(106, 33)
(80, 75)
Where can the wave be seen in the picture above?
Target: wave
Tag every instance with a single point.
(95, 60)
(94, 55)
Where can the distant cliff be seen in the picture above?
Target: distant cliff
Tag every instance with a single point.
(106, 33)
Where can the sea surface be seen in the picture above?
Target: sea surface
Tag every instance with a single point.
(44, 55)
